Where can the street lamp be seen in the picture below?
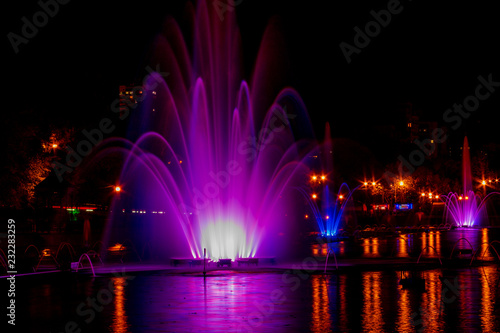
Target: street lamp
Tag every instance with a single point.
(401, 183)
(54, 147)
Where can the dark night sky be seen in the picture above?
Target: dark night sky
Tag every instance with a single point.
(430, 54)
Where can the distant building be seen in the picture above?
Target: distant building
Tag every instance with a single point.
(419, 130)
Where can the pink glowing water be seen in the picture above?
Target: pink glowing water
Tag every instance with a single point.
(468, 208)
(211, 157)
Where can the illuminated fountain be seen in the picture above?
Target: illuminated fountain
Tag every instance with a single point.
(328, 207)
(466, 209)
(210, 157)
(329, 213)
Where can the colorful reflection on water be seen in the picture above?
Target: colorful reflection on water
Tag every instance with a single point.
(433, 244)
(372, 301)
(367, 301)
(453, 300)
(120, 324)
(371, 247)
(404, 311)
(320, 317)
(431, 302)
(489, 295)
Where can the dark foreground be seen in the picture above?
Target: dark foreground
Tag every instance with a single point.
(463, 300)
(363, 295)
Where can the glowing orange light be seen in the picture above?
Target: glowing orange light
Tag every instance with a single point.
(54, 145)
(365, 183)
(323, 177)
(483, 182)
(327, 217)
(437, 196)
(180, 162)
(401, 183)
(466, 198)
(341, 197)
(118, 189)
(373, 183)
(307, 216)
(430, 194)
(460, 198)
(314, 196)
(117, 247)
(314, 177)
(423, 194)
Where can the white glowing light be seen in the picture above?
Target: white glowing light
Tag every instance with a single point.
(226, 240)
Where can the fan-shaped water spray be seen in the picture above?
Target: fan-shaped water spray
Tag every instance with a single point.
(206, 167)
(328, 207)
(466, 209)
(329, 213)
